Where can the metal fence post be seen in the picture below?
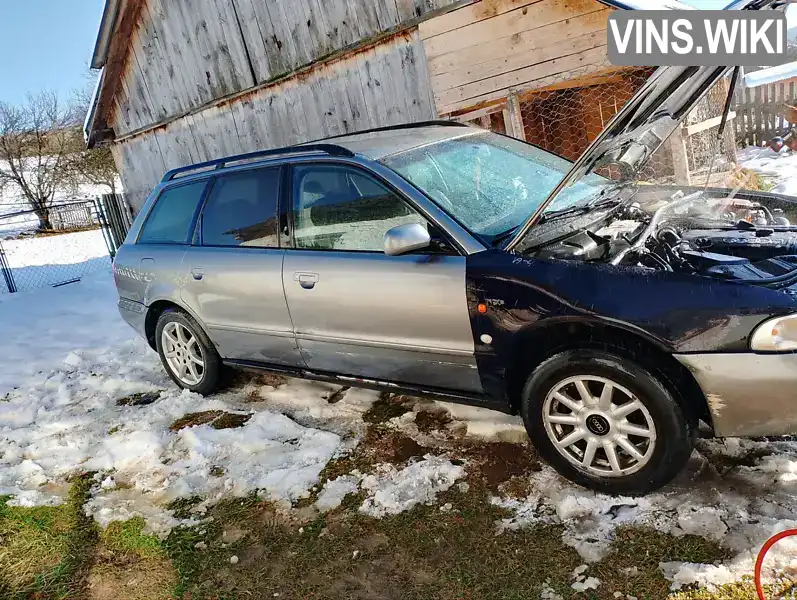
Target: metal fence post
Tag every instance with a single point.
(106, 234)
(8, 276)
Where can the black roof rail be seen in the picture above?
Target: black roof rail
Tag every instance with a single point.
(435, 123)
(220, 163)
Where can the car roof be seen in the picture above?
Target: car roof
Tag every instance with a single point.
(379, 144)
(373, 144)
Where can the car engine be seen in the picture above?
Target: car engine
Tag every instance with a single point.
(702, 232)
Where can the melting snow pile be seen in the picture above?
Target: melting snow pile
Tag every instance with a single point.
(391, 490)
(394, 491)
(740, 511)
(70, 358)
(780, 167)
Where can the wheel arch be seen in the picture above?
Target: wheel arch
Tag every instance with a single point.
(155, 310)
(533, 344)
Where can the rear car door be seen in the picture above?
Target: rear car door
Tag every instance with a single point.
(357, 311)
(147, 268)
(233, 269)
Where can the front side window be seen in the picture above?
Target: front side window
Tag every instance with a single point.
(341, 208)
(241, 210)
(170, 220)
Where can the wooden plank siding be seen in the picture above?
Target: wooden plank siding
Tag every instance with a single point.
(386, 84)
(184, 54)
(478, 53)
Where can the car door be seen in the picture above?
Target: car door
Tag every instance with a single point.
(147, 267)
(357, 311)
(233, 270)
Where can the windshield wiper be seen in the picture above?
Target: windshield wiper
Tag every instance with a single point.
(503, 236)
(599, 202)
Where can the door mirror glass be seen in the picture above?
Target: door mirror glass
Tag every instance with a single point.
(406, 238)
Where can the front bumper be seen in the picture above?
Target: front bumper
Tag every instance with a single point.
(748, 394)
(134, 314)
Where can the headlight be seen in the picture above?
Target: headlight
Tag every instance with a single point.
(776, 335)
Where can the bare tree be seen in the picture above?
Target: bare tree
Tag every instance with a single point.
(35, 141)
(95, 165)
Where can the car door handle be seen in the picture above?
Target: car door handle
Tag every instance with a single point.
(306, 280)
(198, 273)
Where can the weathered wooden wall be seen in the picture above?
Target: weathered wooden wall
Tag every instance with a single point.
(185, 54)
(479, 52)
(382, 85)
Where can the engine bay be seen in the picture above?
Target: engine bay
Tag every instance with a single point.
(746, 237)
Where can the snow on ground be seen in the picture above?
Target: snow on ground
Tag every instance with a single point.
(41, 328)
(68, 359)
(54, 259)
(393, 491)
(740, 510)
(780, 167)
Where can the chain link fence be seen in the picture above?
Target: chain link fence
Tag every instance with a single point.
(84, 238)
(565, 112)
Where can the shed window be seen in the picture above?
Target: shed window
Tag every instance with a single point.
(170, 220)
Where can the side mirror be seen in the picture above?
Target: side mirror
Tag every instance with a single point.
(406, 238)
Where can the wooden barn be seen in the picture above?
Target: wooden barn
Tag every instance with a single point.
(189, 80)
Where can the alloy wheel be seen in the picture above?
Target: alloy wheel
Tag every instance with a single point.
(599, 426)
(183, 353)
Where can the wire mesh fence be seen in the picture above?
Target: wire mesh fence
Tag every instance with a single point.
(567, 111)
(83, 238)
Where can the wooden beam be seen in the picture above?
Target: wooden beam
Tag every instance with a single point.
(508, 128)
(516, 116)
(482, 112)
(680, 159)
(707, 124)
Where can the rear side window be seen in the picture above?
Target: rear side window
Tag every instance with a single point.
(241, 210)
(169, 221)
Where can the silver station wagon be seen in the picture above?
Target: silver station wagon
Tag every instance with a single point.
(617, 315)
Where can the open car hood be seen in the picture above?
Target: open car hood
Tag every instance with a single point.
(645, 122)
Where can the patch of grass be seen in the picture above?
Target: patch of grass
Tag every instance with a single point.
(127, 559)
(230, 421)
(744, 590)
(139, 399)
(182, 506)
(645, 548)
(114, 429)
(385, 408)
(417, 555)
(218, 419)
(126, 537)
(45, 552)
(190, 562)
(195, 419)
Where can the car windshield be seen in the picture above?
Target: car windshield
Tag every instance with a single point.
(488, 182)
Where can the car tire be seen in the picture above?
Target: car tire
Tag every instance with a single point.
(632, 441)
(181, 359)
